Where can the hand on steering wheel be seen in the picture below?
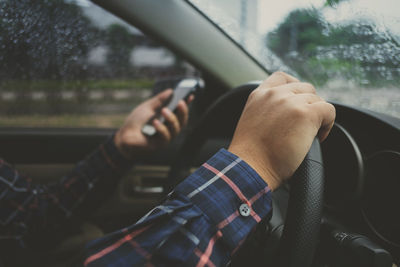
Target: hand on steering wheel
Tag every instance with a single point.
(280, 120)
(305, 205)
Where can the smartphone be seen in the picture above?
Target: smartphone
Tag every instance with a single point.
(182, 91)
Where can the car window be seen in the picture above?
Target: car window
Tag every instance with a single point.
(349, 49)
(69, 63)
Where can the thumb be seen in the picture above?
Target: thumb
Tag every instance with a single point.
(160, 99)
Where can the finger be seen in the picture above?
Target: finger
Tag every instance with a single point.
(160, 99)
(297, 88)
(172, 121)
(307, 98)
(182, 112)
(327, 115)
(278, 78)
(162, 131)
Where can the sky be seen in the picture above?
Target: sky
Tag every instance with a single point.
(387, 12)
(272, 12)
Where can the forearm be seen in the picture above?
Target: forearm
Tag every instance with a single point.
(29, 211)
(92, 179)
(205, 219)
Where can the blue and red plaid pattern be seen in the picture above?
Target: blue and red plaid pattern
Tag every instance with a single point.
(27, 210)
(198, 225)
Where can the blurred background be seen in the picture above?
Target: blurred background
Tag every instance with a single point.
(349, 49)
(72, 64)
(69, 63)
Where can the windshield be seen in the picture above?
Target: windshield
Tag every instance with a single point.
(349, 49)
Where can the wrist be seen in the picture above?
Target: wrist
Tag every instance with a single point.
(121, 146)
(259, 165)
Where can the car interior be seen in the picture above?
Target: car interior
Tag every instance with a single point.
(356, 205)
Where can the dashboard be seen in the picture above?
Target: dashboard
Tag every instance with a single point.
(362, 176)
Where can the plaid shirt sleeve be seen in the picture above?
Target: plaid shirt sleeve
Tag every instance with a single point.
(28, 210)
(202, 223)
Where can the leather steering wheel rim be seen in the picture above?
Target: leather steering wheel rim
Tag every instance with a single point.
(301, 230)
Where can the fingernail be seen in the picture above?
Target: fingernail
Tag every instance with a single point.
(166, 112)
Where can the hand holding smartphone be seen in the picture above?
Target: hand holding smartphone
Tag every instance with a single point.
(182, 91)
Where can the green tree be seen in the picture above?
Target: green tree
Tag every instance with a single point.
(300, 32)
(43, 40)
(333, 3)
(120, 43)
(47, 39)
(318, 50)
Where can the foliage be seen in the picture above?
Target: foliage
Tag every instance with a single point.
(43, 39)
(51, 40)
(332, 3)
(300, 32)
(319, 51)
(120, 43)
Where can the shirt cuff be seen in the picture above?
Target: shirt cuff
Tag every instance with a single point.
(231, 194)
(114, 154)
(106, 160)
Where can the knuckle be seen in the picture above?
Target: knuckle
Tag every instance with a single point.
(279, 73)
(284, 101)
(254, 94)
(332, 109)
(271, 93)
(300, 112)
(310, 87)
(307, 86)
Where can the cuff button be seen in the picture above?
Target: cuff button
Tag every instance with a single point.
(244, 210)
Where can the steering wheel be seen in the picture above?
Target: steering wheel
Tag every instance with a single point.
(301, 228)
